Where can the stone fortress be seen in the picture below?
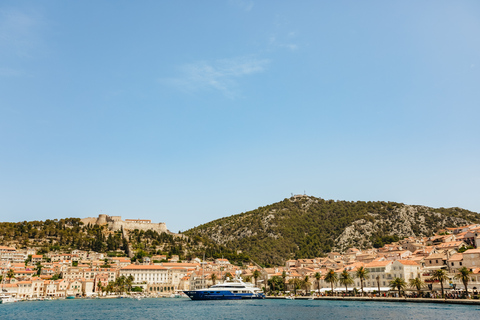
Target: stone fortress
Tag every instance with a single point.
(115, 223)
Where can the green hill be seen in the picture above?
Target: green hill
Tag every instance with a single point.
(307, 227)
(65, 235)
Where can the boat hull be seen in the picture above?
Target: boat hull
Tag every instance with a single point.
(222, 295)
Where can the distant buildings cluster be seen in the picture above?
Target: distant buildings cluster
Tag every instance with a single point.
(27, 274)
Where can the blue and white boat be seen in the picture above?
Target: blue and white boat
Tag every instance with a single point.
(228, 290)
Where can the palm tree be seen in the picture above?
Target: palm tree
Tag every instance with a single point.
(440, 276)
(10, 274)
(362, 274)
(346, 279)
(284, 276)
(416, 283)
(99, 286)
(120, 284)
(306, 283)
(274, 281)
(109, 287)
(129, 282)
(256, 275)
(296, 283)
(331, 278)
(464, 276)
(213, 277)
(318, 276)
(398, 283)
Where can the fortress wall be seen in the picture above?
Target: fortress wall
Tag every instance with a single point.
(117, 225)
(89, 220)
(102, 219)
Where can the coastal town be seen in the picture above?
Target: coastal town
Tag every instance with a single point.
(416, 266)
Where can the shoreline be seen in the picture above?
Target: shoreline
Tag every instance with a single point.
(381, 299)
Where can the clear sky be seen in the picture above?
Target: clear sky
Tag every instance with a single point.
(187, 111)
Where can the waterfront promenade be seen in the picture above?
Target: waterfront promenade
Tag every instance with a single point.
(388, 299)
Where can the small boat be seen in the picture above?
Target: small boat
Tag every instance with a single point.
(70, 297)
(290, 297)
(7, 299)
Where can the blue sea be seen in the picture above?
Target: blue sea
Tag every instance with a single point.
(105, 309)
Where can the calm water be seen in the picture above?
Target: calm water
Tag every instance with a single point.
(257, 309)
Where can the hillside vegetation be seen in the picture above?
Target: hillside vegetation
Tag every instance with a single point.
(307, 227)
(65, 235)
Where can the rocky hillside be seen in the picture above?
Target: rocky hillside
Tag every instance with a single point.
(307, 227)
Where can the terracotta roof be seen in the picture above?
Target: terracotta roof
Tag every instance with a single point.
(173, 264)
(436, 256)
(7, 248)
(408, 262)
(143, 267)
(473, 250)
(456, 257)
(374, 264)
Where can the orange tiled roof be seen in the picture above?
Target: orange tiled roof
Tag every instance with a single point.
(408, 262)
(456, 257)
(143, 267)
(377, 263)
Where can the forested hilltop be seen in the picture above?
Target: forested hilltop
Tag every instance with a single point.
(307, 227)
(65, 235)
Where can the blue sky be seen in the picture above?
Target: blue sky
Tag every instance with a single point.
(188, 111)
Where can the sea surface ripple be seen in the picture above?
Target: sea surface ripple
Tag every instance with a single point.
(106, 309)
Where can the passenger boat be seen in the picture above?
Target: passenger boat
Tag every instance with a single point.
(235, 289)
(7, 299)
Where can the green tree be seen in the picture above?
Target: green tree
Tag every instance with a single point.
(362, 274)
(440, 276)
(399, 284)
(129, 282)
(10, 274)
(416, 283)
(306, 283)
(318, 276)
(464, 276)
(39, 269)
(274, 283)
(346, 279)
(109, 287)
(331, 277)
(284, 276)
(213, 277)
(256, 275)
(296, 284)
(99, 286)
